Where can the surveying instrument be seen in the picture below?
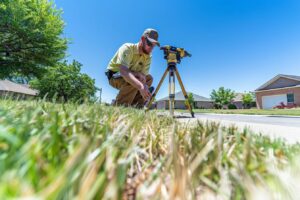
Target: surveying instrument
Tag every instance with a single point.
(173, 55)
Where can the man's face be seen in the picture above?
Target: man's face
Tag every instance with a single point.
(147, 45)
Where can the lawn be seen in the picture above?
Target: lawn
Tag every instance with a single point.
(290, 112)
(91, 151)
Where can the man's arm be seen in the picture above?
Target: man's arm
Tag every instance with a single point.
(130, 78)
(140, 76)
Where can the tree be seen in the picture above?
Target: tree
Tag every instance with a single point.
(30, 37)
(20, 78)
(247, 99)
(222, 97)
(65, 82)
(190, 100)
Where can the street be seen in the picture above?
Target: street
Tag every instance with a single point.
(286, 127)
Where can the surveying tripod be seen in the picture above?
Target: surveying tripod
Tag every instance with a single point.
(173, 56)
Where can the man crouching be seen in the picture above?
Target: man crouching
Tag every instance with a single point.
(128, 70)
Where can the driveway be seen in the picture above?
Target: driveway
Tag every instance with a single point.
(285, 127)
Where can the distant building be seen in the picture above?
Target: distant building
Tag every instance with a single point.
(199, 102)
(280, 89)
(238, 101)
(15, 90)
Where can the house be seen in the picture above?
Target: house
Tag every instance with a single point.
(11, 89)
(238, 101)
(199, 102)
(280, 89)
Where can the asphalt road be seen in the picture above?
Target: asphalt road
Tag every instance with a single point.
(285, 127)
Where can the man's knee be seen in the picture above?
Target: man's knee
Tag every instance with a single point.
(118, 83)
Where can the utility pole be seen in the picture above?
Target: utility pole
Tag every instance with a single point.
(100, 90)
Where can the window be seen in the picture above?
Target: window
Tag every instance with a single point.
(290, 98)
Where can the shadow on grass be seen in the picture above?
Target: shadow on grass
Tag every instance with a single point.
(182, 116)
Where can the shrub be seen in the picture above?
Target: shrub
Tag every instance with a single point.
(283, 106)
(232, 106)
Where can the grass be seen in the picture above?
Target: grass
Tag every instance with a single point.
(90, 151)
(290, 112)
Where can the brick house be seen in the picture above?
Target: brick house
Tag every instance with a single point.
(199, 102)
(238, 101)
(15, 90)
(280, 89)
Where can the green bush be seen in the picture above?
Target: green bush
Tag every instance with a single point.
(232, 106)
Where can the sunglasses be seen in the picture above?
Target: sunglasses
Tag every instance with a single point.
(150, 44)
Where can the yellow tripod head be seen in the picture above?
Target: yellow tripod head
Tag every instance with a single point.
(173, 54)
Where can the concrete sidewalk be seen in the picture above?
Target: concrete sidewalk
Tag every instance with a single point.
(289, 133)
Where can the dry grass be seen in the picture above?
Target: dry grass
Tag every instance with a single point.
(89, 151)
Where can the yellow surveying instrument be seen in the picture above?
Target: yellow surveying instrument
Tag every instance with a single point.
(173, 55)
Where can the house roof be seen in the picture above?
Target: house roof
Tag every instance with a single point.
(297, 78)
(293, 77)
(239, 97)
(6, 85)
(180, 97)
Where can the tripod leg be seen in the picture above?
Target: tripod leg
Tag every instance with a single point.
(156, 90)
(184, 92)
(171, 91)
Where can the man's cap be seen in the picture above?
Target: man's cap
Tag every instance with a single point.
(152, 35)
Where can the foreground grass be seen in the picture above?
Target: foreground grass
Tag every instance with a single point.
(55, 151)
(290, 112)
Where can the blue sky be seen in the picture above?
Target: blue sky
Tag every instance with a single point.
(238, 44)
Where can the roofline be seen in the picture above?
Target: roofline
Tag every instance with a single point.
(256, 91)
(19, 92)
(28, 91)
(167, 97)
(184, 100)
(286, 76)
(274, 79)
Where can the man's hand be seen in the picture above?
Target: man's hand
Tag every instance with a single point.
(145, 92)
(137, 80)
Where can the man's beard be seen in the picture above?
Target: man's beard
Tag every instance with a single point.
(144, 49)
